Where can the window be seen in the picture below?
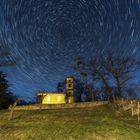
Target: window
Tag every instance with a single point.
(69, 85)
(59, 98)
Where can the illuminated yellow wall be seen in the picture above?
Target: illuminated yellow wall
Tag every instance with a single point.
(53, 98)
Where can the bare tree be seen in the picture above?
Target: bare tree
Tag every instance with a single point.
(4, 55)
(94, 68)
(91, 90)
(119, 70)
(122, 70)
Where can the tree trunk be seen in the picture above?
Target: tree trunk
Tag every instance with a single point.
(119, 88)
(108, 91)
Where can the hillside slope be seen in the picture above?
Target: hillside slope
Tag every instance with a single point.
(105, 122)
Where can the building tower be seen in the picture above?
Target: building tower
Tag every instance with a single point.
(70, 89)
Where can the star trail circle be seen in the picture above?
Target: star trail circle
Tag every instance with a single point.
(45, 36)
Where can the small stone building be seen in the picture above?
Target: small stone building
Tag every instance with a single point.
(58, 97)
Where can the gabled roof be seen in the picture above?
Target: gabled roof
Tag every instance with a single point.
(46, 93)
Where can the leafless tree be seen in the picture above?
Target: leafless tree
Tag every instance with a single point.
(98, 72)
(109, 67)
(4, 58)
(122, 70)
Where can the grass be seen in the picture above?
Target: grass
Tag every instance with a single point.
(105, 122)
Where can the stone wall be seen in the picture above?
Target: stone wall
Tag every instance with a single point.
(59, 106)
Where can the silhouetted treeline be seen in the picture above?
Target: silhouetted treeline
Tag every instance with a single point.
(6, 97)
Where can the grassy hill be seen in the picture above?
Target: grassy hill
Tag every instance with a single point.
(106, 122)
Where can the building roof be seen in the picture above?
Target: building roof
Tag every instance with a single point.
(46, 93)
(69, 77)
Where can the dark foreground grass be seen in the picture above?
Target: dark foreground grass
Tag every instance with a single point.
(99, 123)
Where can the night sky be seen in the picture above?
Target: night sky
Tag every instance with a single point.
(45, 36)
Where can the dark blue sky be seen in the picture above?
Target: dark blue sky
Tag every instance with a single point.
(45, 36)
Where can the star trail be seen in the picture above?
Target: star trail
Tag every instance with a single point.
(45, 36)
